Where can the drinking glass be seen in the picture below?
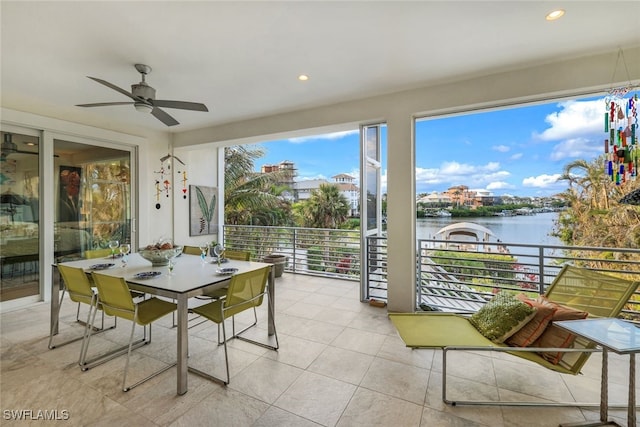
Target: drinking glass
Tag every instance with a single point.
(113, 244)
(218, 250)
(171, 264)
(203, 251)
(125, 248)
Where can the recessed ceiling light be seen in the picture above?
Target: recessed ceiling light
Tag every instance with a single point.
(303, 77)
(556, 14)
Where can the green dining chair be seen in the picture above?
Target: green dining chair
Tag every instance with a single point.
(116, 300)
(246, 291)
(78, 286)
(222, 292)
(191, 250)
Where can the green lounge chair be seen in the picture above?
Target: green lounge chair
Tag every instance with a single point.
(598, 294)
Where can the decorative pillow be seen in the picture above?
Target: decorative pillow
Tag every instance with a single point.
(554, 337)
(502, 317)
(563, 312)
(536, 326)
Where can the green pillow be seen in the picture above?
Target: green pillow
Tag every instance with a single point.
(502, 317)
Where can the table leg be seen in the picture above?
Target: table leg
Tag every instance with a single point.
(631, 414)
(604, 387)
(183, 344)
(55, 299)
(272, 301)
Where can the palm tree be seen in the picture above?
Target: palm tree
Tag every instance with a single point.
(326, 208)
(251, 197)
(590, 180)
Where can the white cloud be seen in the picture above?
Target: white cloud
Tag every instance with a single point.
(501, 148)
(576, 148)
(500, 185)
(327, 136)
(575, 118)
(516, 156)
(455, 173)
(541, 181)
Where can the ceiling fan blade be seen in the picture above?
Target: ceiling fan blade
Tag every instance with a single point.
(114, 87)
(105, 104)
(183, 105)
(164, 117)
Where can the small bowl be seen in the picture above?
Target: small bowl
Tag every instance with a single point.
(159, 257)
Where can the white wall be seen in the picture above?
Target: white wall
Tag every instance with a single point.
(202, 169)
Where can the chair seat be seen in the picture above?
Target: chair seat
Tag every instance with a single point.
(211, 311)
(153, 309)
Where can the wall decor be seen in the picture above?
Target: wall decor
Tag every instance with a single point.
(202, 210)
(69, 195)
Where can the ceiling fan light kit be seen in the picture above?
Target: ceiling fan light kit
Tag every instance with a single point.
(144, 99)
(143, 108)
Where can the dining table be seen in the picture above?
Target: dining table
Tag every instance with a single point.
(191, 277)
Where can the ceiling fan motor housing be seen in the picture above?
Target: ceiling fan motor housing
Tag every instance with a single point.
(144, 91)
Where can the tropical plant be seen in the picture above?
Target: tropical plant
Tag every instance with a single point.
(252, 198)
(326, 208)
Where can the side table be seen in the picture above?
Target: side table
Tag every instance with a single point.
(613, 335)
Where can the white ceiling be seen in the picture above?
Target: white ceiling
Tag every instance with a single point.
(242, 59)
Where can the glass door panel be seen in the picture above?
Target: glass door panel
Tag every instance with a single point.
(93, 199)
(19, 216)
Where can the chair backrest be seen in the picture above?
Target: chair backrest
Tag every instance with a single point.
(191, 250)
(237, 255)
(77, 283)
(246, 290)
(114, 295)
(600, 295)
(97, 253)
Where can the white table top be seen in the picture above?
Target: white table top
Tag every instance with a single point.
(189, 273)
(615, 334)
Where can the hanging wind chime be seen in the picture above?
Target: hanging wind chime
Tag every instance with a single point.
(162, 183)
(621, 145)
(621, 126)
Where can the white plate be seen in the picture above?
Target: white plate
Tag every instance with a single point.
(226, 271)
(101, 266)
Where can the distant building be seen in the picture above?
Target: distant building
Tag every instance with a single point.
(349, 190)
(301, 190)
(435, 198)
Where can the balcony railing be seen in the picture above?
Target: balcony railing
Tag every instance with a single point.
(460, 276)
(313, 251)
(456, 276)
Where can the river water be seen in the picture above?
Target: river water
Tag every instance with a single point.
(527, 229)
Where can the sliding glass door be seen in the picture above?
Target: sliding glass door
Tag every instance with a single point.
(19, 215)
(92, 199)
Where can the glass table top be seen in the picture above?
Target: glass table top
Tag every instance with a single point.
(614, 334)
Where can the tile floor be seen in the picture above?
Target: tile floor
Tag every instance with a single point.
(340, 363)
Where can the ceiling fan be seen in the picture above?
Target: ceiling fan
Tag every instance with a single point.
(144, 99)
(10, 147)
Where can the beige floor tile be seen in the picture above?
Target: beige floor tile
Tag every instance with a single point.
(344, 365)
(317, 398)
(359, 340)
(296, 351)
(265, 379)
(397, 379)
(276, 417)
(371, 408)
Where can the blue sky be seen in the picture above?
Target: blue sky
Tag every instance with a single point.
(518, 151)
